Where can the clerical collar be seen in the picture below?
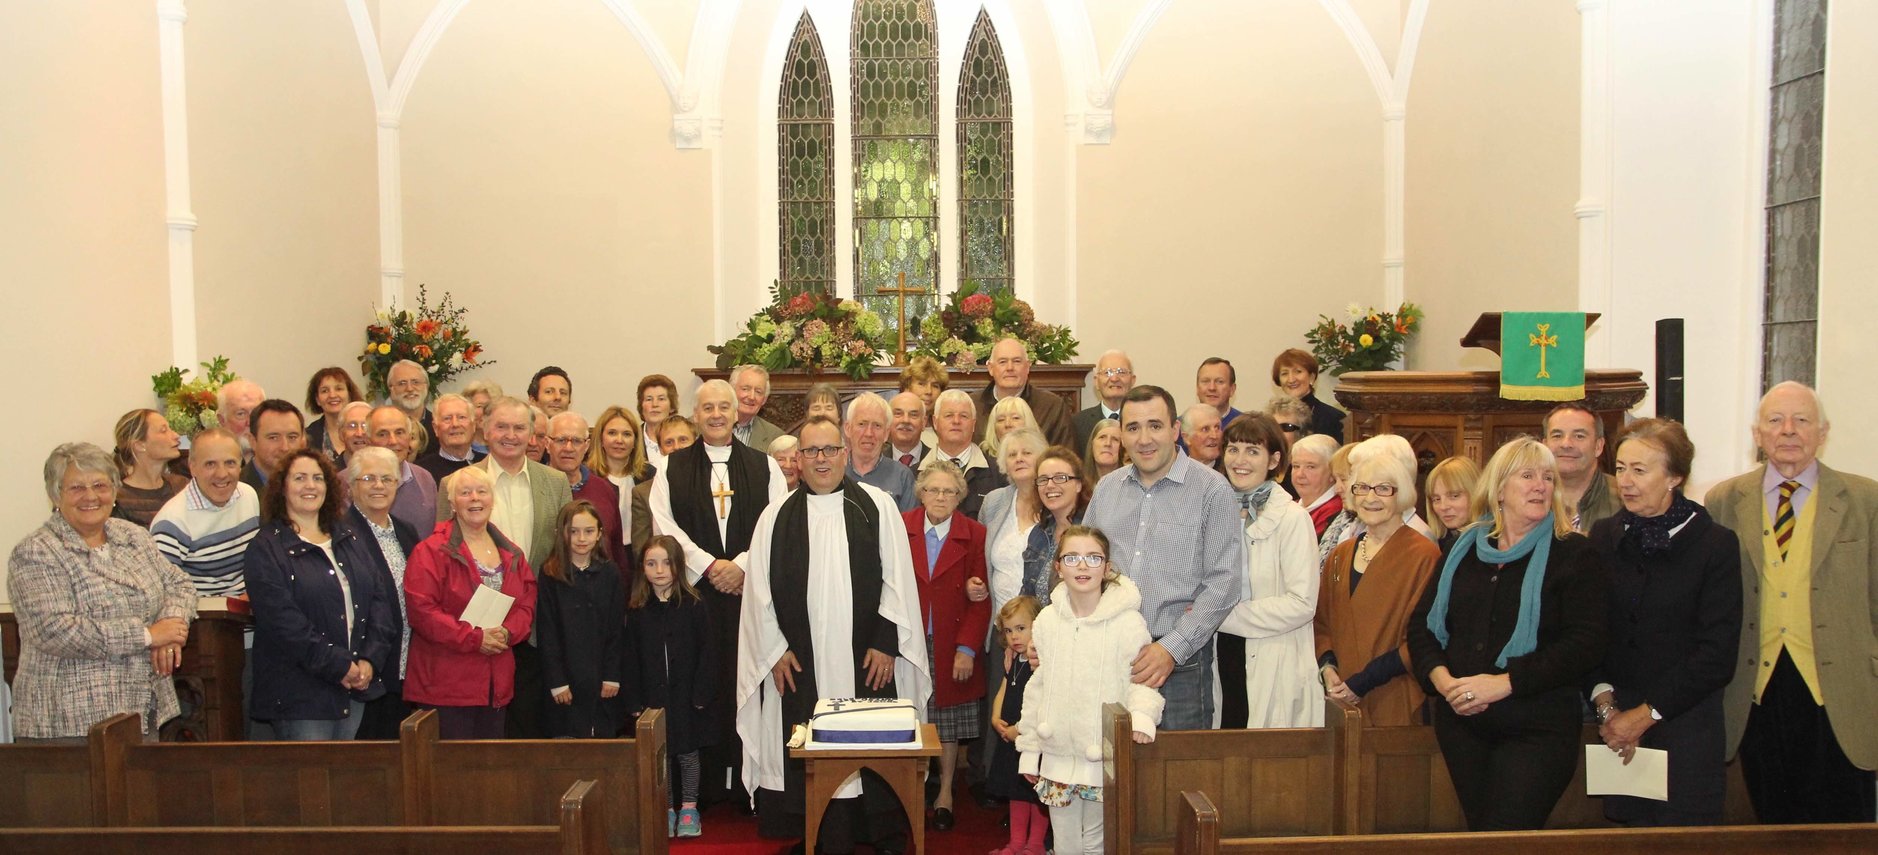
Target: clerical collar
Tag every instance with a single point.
(826, 501)
(717, 453)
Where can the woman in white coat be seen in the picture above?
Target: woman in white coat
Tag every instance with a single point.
(1274, 681)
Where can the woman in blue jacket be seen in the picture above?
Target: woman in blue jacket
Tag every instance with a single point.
(325, 625)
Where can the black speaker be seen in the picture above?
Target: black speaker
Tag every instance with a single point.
(1669, 369)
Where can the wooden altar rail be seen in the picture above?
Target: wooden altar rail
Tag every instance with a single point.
(1199, 824)
(1340, 779)
(581, 830)
(118, 781)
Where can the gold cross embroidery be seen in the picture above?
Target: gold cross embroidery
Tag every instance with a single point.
(1543, 341)
(721, 492)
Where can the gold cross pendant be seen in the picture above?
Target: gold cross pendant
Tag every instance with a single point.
(720, 493)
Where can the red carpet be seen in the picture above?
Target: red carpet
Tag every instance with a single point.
(725, 833)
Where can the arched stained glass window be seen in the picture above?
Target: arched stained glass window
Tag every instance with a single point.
(984, 130)
(805, 165)
(895, 62)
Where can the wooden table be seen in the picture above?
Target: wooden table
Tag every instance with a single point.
(824, 770)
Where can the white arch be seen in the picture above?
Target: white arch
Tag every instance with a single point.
(1089, 87)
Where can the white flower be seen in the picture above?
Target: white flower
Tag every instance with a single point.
(1353, 310)
(433, 368)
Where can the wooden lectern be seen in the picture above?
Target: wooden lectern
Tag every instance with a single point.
(1448, 413)
(209, 682)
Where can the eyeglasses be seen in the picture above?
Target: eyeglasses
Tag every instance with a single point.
(821, 452)
(369, 480)
(1288, 427)
(1115, 372)
(409, 384)
(1362, 489)
(568, 441)
(1091, 561)
(941, 492)
(1058, 479)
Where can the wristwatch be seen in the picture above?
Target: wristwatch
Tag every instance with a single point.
(1654, 715)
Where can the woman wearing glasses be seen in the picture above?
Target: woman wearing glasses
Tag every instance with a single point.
(1367, 590)
(949, 568)
(1063, 494)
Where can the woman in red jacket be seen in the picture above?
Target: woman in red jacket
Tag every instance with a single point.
(948, 553)
(466, 673)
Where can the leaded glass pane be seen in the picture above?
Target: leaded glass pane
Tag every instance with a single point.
(985, 160)
(805, 137)
(1793, 262)
(1794, 134)
(895, 65)
(1799, 38)
(1790, 327)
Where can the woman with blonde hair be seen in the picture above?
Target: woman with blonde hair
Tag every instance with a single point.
(1337, 530)
(145, 445)
(926, 377)
(1513, 623)
(1450, 499)
(1010, 414)
(618, 453)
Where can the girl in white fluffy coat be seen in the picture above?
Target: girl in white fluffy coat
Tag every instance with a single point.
(1084, 643)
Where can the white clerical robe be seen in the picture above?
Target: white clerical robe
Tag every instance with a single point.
(831, 613)
(697, 560)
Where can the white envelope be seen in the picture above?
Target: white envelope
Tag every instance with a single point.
(487, 607)
(1647, 776)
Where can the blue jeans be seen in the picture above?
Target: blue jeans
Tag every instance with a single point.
(321, 730)
(1189, 693)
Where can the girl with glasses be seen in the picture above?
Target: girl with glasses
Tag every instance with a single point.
(1084, 642)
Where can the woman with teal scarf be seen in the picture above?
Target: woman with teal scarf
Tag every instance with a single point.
(1513, 623)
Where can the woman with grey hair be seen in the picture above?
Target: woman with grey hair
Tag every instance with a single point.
(103, 617)
(372, 482)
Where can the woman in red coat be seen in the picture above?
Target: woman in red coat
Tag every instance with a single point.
(465, 673)
(949, 553)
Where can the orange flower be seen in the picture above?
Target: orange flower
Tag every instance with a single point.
(426, 328)
(469, 354)
(422, 351)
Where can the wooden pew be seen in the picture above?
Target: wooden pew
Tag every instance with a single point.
(118, 781)
(1284, 781)
(580, 830)
(1200, 823)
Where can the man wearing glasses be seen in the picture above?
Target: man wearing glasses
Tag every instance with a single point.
(1114, 376)
(409, 385)
(568, 442)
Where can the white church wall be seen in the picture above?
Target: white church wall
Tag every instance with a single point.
(283, 174)
(1240, 197)
(1492, 171)
(1848, 264)
(82, 240)
(542, 189)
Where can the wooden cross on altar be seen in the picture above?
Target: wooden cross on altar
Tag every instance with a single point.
(1543, 341)
(902, 292)
(720, 493)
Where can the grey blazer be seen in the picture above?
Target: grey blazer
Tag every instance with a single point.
(1844, 602)
(995, 516)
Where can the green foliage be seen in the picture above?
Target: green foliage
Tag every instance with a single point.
(963, 332)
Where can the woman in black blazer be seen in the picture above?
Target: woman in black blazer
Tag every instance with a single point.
(373, 485)
(1503, 639)
(1675, 626)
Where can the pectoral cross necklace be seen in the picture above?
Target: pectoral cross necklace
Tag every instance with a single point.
(721, 492)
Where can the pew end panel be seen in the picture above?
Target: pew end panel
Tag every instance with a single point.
(1198, 832)
(64, 786)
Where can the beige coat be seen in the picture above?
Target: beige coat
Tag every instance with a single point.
(1845, 602)
(1374, 620)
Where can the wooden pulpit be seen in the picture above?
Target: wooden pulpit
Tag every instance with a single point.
(209, 682)
(1448, 413)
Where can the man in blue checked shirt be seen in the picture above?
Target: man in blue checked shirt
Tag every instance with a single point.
(1173, 526)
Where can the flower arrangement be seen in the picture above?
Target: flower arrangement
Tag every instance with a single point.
(189, 405)
(809, 329)
(963, 332)
(1369, 342)
(434, 337)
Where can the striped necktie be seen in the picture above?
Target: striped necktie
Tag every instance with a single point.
(1783, 516)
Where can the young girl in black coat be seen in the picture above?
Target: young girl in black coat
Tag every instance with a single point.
(1029, 821)
(669, 658)
(579, 613)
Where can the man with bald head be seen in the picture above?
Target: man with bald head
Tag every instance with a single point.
(709, 496)
(234, 408)
(355, 432)
(1799, 709)
(453, 446)
(569, 440)
(1010, 377)
(869, 420)
(388, 427)
(1114, 376)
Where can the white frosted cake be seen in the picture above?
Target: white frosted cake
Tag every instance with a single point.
(864, 722)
